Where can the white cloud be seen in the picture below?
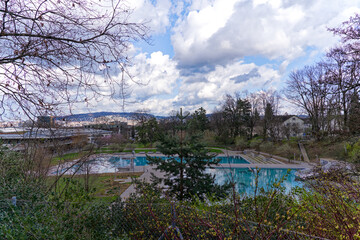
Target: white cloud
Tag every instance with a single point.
(156, 15)
(153, 81)
(165, 92)
(210, 87)
(152, 76)
(218, 32)
(211, 39)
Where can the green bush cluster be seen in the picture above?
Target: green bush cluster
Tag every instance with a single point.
(329, 207)
(353, 151)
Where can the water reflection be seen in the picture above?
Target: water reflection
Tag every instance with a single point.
(245, 178)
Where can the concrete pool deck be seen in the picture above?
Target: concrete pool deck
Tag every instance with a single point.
(250, 156)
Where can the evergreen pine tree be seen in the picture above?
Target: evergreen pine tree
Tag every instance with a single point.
(268, 120)
(354, 114)
(185, 165)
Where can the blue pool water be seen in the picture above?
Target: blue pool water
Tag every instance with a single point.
(112, 164)
(245, 178)
(141, 161)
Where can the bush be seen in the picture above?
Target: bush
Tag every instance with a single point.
(255, 143)
(241, 143)
(209, 138)
(117, 147)
(148, 214)
(286, 151)
(19, 176)
(330, 207)
(267, 147)
(353, 151)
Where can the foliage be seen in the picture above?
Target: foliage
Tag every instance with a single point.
(198, 121)
(54, 220)
(184, 168)
(241, 143)
(353, 151)
(255, 143)
(16, 178)
(148, 131)
(209, 138)
(236, 113)
(354, 114)
(149, 215)
(267, 147)
(287, 151)
(330, 207)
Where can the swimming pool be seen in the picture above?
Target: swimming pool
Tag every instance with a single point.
(141, 161)
(114, 163)
(245, 178)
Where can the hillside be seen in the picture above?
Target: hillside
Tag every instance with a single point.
(91, 116)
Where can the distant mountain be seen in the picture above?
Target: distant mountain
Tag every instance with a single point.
(91, 116)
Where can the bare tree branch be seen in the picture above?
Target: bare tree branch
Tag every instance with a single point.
(54, 52)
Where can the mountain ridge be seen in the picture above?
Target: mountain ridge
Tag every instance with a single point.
(91, 116)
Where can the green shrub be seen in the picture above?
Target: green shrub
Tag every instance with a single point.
(255, 143)
(117, 147)
(353, 151)
(267, 147)
(241, 143)
(285, 150)
(330, 207)
(209, 138)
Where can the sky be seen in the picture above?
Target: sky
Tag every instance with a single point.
(203, 49)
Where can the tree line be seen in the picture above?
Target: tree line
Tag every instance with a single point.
(328, 91)
(237, 116)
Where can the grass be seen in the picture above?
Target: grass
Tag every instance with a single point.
(216, 150)
(137, 150)
(66, 157)
(326, 149)
(108, 186)
(72, 156)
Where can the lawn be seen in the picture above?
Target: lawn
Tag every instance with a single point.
(139, 150)
(106, 186)
(216, 150)
(66, 157)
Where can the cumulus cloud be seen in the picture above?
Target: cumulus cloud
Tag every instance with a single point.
(245, 77)
(152, 76)
(218, 32)
(210, 39)
(223, 80)
(167, 90)
(156, 14)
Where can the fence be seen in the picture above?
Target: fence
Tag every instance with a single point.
(119, 220)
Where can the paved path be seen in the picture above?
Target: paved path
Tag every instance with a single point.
(260, 165)
(145, 176)
(303, 152)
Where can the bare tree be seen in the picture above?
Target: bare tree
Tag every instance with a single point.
(350, 35)
(255, 103)
(343, 66)
(51, 51)
(342, 74)
(268, 103)
(307, 89)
